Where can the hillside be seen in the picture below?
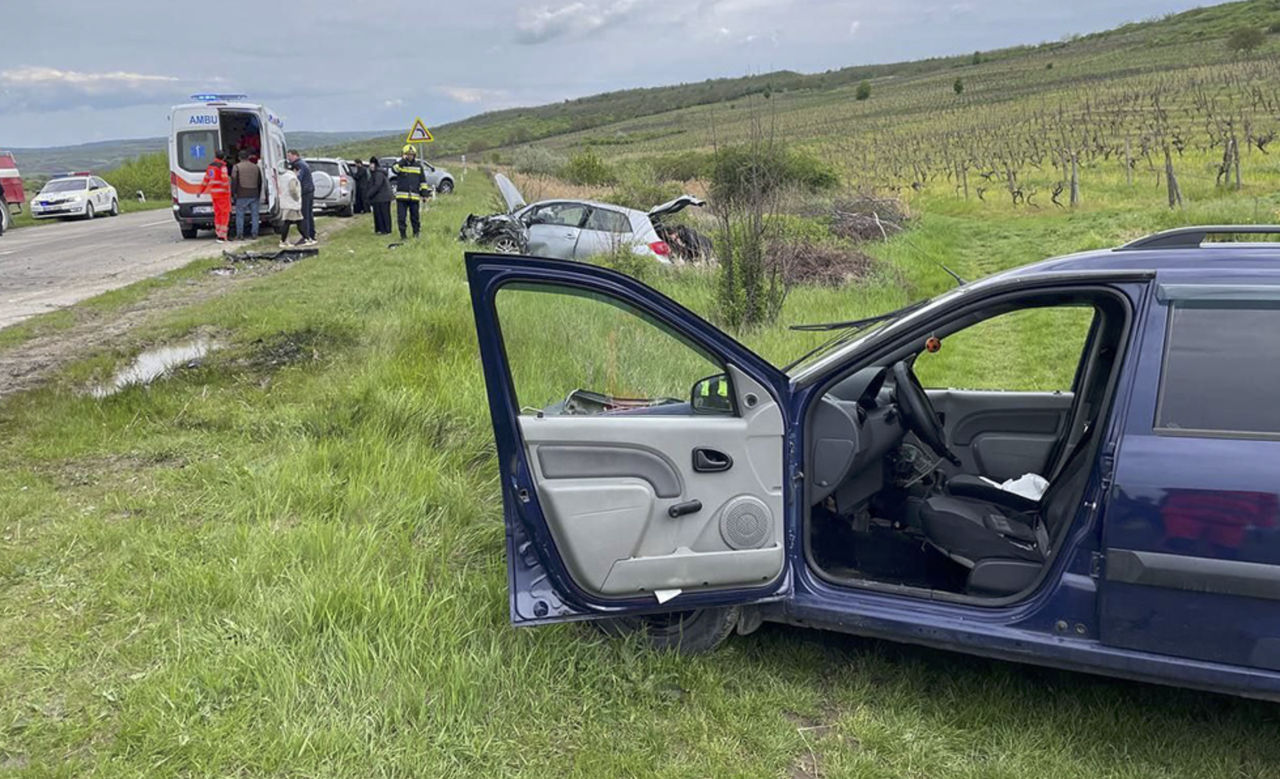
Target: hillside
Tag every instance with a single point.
(104, 155)
(680, 116)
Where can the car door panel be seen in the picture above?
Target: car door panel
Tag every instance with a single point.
(588, 499)
(1003, 435)
(625, 542)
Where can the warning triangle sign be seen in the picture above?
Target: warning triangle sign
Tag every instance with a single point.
(419, 133)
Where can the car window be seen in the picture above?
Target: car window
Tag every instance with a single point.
(65, 185)
(559, 340)
(1029, 350)
(563, 214)
(196, 148)
(608, 221)
(1221, 369)
(324, 167)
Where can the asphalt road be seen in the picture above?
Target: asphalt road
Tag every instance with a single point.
(46, 267)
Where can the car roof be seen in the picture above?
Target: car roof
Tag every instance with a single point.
(591, 203)
(72, 178)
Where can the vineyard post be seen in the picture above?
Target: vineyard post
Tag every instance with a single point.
(1075, 181)
(1128, 162)
(1175, 193)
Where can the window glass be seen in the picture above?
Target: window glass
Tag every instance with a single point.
(324, 167)
(564, 214)
(607, 221)
(97, 182)
(65, 185)
(196, 148)
(571, 351)
(1029, 350)
(1221, 370)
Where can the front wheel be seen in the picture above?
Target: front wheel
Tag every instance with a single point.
(88, 210)
(686, 632)
(445, 187)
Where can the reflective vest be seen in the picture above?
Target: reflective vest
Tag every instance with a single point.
(216, 181)
(411, 180)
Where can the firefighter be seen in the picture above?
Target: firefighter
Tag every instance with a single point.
(411, 188)
(218, 184)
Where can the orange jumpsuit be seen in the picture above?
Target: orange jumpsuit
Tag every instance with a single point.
(218, 184)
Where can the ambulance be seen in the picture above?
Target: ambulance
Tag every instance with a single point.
(227, 122)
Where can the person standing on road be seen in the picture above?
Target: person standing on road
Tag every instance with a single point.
(218, 185)
(379, 198)
(308, 196)
(290, 207)
(411, 188)
(246, 188)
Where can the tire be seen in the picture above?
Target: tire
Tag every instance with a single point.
(88, 211)
(189, 232)
(348, 210)
(506, 245)
(115, 208)
(6, 219)
(445, 186)
(686, 632)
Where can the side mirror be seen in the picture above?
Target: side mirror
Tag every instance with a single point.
(712, 395)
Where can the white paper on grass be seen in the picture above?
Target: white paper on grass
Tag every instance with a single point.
(665, 595)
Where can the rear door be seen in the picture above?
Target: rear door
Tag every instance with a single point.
(606, 231)
(1192, 525)
(640, 449)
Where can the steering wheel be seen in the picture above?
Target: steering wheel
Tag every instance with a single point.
(917, 411)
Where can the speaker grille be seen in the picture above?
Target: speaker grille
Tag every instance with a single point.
(746, 523)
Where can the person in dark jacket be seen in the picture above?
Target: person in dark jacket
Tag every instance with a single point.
(361, 175)
(379, 198)
(411, 188)
(308, 196)
(246, 194)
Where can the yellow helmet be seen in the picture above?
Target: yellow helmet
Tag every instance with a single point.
(408, 150)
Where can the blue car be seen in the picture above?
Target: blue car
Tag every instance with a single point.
(1116, 512)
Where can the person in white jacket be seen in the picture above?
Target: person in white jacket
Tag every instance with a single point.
(290, 207)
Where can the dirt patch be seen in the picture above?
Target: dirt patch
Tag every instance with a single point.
(288, 348)
(806, 262)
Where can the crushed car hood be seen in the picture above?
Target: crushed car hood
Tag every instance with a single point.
(509, 193)
(672, 206)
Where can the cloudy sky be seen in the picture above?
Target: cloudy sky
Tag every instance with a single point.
(74, 71)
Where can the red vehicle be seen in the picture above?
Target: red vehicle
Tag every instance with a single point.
(12, 195)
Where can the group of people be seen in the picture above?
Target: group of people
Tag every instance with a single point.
(242, 184)
(375, 191)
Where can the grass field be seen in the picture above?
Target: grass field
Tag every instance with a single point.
(287, 560)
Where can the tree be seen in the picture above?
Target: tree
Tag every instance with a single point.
(864, 90)
(1245, 39)
(958, 86)
(977, 58)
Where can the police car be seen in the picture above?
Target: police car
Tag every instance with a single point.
(75, 194)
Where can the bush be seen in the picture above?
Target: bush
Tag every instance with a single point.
(740, 174)
(638, 187)
(687, 166)
(958, 87)
(148, 173)
(863, 91)
(537, 161)
(1274, 27)
(807, 262)
(623, 260)
(587, 168)
(1245, 39)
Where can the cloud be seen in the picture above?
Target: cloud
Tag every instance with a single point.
(573, 21)
(32, 88)
(394, 102)
(853, 27)
(473, 94)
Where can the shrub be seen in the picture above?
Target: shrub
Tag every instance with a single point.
(958, 87)
(638, 187)
(863, 91)
(741, 174)
(807, 262)
(587, 168)
(687, 166)
(537, 161)
(148, 173)
(1245, 39)
(476, 145)
(1274, 27)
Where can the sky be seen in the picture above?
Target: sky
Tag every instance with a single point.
(75, 72)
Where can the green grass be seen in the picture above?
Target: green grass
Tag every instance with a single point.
(288, 560)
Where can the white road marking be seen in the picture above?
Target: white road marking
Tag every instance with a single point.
(153, 224)
(5, 254)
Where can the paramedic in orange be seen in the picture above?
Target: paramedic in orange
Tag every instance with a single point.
(218, 184)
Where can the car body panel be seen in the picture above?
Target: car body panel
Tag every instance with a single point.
(338, 194)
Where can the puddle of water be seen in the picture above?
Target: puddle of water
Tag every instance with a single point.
(153, 364)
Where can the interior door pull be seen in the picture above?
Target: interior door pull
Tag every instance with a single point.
(711, 460)
(687, 507)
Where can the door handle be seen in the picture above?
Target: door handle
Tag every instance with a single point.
(711, 460)
(687, 507)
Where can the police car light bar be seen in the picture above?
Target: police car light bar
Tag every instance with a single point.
(79, 173)
(211, 98)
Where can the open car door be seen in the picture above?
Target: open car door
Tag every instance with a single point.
(641, 449)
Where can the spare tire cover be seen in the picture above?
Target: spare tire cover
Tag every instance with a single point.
(324, 184)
